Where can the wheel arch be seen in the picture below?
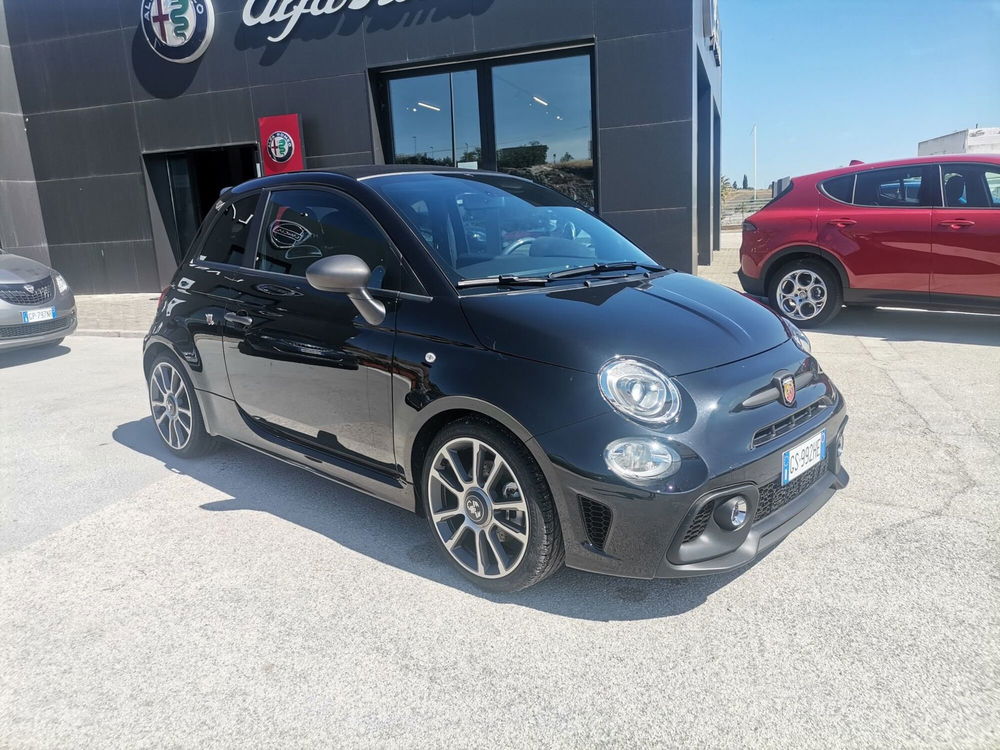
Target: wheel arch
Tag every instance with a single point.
(445, 411)
(795, 252)
(153, 350)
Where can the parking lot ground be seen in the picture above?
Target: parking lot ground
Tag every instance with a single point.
(237, 601)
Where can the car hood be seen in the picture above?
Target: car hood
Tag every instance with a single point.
(680, 322)
(15, 269)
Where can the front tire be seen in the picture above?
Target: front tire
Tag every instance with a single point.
(489, 507)
(176, 413)
(807, 292)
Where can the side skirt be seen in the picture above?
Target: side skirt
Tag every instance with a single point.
(223, 418)
(890, 298)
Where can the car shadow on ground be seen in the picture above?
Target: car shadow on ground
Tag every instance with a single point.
(893, 324)
(258, 483)
(32, 354)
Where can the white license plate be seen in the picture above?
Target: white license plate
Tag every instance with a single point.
(802, 457)
(33, 316)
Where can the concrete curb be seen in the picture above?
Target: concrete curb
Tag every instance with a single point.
(110, 334)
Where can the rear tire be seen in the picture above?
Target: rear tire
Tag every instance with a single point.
(489, 507)
(175, 409)
(807, 292)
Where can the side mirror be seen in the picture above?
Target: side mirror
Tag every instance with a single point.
(347, 274)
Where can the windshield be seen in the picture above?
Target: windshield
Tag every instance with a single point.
(479, 226)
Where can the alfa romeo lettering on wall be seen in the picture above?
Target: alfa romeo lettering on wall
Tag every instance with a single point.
(288, 12)
(178, 30)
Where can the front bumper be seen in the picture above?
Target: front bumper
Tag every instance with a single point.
(15, 334)
(752, 286)
(643, 534)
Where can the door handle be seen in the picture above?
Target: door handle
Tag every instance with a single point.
(842, 223)
(240, 320)
(957, 223)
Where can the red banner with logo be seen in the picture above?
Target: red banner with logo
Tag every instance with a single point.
(281, 147)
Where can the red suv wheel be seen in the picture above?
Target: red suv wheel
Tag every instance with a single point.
(806, 291)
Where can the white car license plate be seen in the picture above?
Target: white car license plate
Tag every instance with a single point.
(802, 457)
(33, 316)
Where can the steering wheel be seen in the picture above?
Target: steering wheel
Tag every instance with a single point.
(517, 245)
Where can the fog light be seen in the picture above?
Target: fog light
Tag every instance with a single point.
(641, 459)
(732, 514)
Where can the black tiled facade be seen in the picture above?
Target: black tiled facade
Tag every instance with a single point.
(83, 98)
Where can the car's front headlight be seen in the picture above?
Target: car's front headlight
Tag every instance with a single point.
(639, 391)
(61, 284)
(641, 459)
(796, 335)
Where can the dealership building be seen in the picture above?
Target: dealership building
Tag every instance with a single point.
(122, 120)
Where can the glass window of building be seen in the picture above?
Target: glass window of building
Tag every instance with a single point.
(544, 122)
(538, 125)
(435, 119)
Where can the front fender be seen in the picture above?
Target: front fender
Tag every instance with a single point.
(190, 327)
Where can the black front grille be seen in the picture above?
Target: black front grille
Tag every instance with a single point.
(35, 293)
(597, 521)
(36, 329)
(774, 495)
(789, 423)
(699, 523)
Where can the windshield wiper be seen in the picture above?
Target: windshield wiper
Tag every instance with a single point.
(504, 280)
(627, 265)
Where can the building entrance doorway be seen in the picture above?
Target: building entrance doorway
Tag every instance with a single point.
(186, 184)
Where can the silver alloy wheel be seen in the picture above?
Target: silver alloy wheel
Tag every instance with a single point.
(171, 405)
(802, 294)
(478, 508)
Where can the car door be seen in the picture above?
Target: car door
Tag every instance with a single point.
(883, 231)
(966, 256)
(303, 363)
(205, 289)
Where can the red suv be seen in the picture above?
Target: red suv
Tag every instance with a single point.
(921, 232)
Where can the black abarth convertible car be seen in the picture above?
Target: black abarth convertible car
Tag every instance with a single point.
(483, 351)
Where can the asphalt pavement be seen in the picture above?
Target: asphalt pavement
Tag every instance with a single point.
(236, 601)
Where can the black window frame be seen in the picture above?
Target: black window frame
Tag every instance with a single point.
(250, 264)
(487, 119)
(208, 225)
(982, 165)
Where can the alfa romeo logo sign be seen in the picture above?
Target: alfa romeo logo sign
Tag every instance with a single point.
(178, 30)
(280, 146)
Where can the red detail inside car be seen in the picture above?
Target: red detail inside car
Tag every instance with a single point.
(921, 232)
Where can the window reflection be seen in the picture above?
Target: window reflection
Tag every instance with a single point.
(544, 124)
(541, 121)
(435, 120)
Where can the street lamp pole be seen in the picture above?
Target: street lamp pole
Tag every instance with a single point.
(754, 133)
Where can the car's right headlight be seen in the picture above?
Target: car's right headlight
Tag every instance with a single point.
(639, 391)
(61, 284)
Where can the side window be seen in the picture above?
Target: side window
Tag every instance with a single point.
(970, 186)
(902, 186)
(993, 186)
(226, 241)
(303, 226)
(840, 188)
